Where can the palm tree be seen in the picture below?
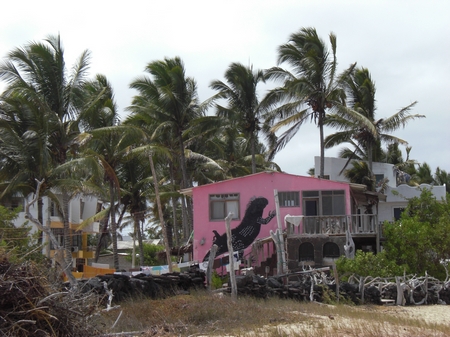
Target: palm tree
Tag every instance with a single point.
(166, 104)
(243, 109)
(423, 175)
(361, 174)
(171, 99)
(358, 124)
(441, 177)
(37, 74)
(308, 92)
(135, 185)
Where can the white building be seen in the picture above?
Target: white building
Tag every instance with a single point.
(397, 193)
(80, 208)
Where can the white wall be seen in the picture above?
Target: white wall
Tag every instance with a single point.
(398, 198)
(335, 165)
(90, 208)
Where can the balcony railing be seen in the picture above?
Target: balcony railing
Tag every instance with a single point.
(335, 225)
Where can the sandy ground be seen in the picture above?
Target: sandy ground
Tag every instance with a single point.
(432, 314)
(424, 321)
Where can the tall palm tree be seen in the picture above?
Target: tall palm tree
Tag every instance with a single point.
(308, 91)
(243, 109)
(135, 184)
(358, 124)
(168, 102)
(38, 74)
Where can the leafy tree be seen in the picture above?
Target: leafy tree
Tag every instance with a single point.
(420, 240)
(308, 92)
(368, 264)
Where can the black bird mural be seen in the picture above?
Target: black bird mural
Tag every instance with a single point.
(247, 231)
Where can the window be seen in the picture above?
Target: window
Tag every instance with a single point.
(378, 178)
(220, 205)
(333, 203)
(289, 199)
(76, 240)
(306, 252)
(330, 249)
(54, 209)
(398, 213)
(81, 208)
(59, 235)
(324, 202)
(13, 203)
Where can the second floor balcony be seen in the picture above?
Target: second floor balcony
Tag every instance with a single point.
(358, 224)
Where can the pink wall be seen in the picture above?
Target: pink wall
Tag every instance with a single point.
(256, 185)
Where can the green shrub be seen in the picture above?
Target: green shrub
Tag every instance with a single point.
(368, 264)
(18, 241)
(151, 256)
(217, 281)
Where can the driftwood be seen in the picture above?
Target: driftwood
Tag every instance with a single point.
(313, 284)
(231, 255)
(278, 239)
(32, 303)
(212, 256)
(407, 289)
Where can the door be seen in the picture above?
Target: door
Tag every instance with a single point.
(311, 212)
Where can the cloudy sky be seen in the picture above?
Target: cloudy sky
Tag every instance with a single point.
(404, 44)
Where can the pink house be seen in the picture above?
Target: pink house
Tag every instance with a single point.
(311, 210)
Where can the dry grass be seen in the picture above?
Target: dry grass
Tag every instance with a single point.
(204, 314)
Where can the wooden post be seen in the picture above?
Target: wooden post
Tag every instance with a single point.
(212, 256)
(279, 240)
(361, 289)
(231, 257)
(400, 297)
(336, 278)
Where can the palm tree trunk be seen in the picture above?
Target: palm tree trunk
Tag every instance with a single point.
(139, 235)
(370, 158)
(322, 145)
(174, 205)
(67, 236)
(184, 217)
(102, 237)
(112, 214)
(174, 216)
(161, 218)
(185, 184)
(253, 150)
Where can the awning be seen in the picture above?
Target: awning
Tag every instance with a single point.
(362, 196)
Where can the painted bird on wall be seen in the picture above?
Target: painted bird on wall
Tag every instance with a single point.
(247, 231)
